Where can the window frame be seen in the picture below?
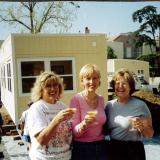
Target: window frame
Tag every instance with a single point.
(3, 83)
(47, 62)
(9, 76)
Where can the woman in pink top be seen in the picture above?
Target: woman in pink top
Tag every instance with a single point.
(88, 121)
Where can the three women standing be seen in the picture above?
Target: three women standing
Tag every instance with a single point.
(51, 131)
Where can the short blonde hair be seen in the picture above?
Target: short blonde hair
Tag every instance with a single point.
(42, 80)
(87, 70)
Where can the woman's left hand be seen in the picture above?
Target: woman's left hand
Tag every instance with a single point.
(137, 123)
(143, 125)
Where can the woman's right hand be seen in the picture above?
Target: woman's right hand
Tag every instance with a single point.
(90, 117)
(65, 114)
(46, 134)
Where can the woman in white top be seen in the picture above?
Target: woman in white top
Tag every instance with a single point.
(49, 120)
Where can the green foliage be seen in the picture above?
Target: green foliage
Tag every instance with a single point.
(150, 25)
(110, 53)
(154, 63)
(149, 58)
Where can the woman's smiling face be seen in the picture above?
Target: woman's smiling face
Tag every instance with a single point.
(122, 88)
(50, 93)
(91, 82)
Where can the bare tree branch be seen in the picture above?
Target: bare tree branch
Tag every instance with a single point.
(38, 17)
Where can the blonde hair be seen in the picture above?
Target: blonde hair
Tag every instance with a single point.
(87, 70)
(42, 80)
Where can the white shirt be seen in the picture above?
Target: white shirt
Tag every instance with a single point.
(23, 119)
(40, 115)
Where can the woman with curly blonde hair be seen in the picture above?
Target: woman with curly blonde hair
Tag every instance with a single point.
(49, 120)
(44, 79)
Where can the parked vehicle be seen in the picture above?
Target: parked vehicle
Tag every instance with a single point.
(142, 84)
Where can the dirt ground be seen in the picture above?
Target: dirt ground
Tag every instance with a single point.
(5, 115)
(148, 96)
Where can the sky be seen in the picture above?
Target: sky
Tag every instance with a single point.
(110, 18)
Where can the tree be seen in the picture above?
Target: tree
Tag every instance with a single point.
(110, 53)
(150, 23)
(154, 63)
(37, 17)
(141, 39)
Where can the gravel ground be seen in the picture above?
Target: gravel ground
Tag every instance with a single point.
(152, 148)
(13, 151)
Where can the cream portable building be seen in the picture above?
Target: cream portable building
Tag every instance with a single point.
(24, 56)
(139, 68)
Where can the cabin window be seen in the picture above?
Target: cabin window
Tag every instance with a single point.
(140, 72)
(29, 72)
(31, 69)
(3, 76)
(64, 70)
(9, 84)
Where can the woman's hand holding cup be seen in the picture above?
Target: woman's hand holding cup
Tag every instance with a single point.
(65, 114)
(90, 117)
(136, 124)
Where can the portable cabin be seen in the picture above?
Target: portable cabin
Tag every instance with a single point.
(140, 68)
(24, 56)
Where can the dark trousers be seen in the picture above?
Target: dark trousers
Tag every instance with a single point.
(89, 150)
(125, 150)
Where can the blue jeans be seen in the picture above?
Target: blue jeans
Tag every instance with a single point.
(26, 138)
(89, 150)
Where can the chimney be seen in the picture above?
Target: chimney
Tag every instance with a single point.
(87, 30)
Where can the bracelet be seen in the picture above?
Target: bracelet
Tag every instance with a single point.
(83, 125)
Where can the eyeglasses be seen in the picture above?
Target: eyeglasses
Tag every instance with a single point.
(118, 83)
(50, 86)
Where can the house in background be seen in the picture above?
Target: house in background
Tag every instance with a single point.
(124, 47)
(117, 47)
(129, 50)
(24, 56)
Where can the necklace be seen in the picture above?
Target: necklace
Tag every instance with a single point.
(91, 101)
